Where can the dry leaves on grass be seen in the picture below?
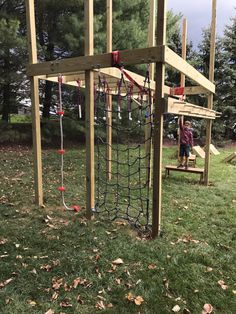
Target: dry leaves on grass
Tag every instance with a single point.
(176, 308)
(138, 300)
(207, 309)
(100, 305)
(49, 312)
(152, 266)
(118, 261)
(5, 282)
(65, 303)
(222, 284)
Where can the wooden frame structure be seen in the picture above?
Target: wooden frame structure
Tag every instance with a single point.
(86, 68)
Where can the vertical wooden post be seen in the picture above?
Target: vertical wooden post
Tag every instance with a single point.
(89, 110)
(210, 96)
(158, 123)
(182, 76)
(32, 48)
(109, 97)
(184, 49)
(151, 43)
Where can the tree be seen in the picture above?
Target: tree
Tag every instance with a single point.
(12, 56)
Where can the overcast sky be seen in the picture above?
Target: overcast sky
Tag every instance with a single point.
(198, 15)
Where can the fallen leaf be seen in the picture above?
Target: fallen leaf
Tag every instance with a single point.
(166, 283)
(176, 308)
(118, 261)
(129, 296)
(6, 282)
(100, 305)
(31, 302)
(109, 305)
(78, 299)
(138, 300)
(65, 303)
(207, 308)
(54, 296)
(49, 312)
(234, 292)
(76, 282)
(118, 281)
(152, 266)
(222, 284)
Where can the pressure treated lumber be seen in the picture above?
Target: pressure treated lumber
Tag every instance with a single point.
(109, 97)
(158, 124)
(230, 157)
(199, 151)
(89, 112)
(178, 107)
(91, 62)
(200, 171)
(32, 48)
(210, 96)
(175, 61)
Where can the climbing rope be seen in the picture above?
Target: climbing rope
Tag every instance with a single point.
(61, 151)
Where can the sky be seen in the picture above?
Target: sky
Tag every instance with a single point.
(198, 15)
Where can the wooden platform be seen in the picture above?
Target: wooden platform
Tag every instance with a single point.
(200, 171)
(230, 157)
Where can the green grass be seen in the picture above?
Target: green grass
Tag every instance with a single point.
(38, 247)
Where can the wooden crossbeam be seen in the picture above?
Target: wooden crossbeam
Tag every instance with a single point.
(160, 53)
(178, 107)
(175, 61)
(91, 62)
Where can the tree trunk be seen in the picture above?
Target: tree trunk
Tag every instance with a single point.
(6, 103)
(47, 99)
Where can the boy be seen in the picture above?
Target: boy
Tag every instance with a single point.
(186, 142)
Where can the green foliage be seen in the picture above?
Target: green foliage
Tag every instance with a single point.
(12, 58)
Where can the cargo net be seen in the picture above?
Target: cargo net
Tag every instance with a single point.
(123, 189)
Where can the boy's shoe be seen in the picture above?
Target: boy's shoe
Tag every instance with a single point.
(180, 166)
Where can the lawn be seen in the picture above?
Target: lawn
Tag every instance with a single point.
(52, 261)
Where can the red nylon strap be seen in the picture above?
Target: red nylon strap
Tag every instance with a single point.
(177, 91)
(131, 79)
(60, 113)
(60, 79)
(61, 151)
(115, 58)
(61, 189)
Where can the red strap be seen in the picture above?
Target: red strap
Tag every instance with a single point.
(131, 79)
(61, 151)
(76, 208)
(61, 189)
(115, 58)
(177, 91)
(60, 113)
(60, 79)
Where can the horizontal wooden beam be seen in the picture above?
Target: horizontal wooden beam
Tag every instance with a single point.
(178, 107)
(127, 57)
(175, 61)
(195, 90)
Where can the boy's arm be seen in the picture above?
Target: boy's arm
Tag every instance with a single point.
(191, 140)
(181, 122)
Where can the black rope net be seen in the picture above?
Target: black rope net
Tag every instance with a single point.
(124, 193)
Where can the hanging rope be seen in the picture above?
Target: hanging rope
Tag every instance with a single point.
(61, 151)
